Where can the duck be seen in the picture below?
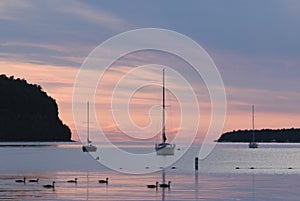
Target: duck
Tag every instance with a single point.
(153, 186)
(72, 181)
(21, 180)
(165, 185)
(49, 185)
(103, 181)
(34, 180)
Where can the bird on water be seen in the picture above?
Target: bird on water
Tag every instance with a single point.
(103, 181)
(72, 181)
(21, 180)
(34, 180)
(49, 185)
(165, 185)
(152, 185)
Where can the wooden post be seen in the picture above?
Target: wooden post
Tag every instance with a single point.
(196, 163)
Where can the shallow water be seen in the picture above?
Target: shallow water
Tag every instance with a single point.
(275, 175)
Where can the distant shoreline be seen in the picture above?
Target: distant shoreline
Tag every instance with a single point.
(290, 135)
(36, 143)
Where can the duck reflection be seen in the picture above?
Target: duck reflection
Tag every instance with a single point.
(196, 185)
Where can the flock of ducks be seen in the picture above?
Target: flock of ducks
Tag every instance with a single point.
(52, 186)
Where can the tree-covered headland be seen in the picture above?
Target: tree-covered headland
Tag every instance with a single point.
(263, 135)
(27, 113)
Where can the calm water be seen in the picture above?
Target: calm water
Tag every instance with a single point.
(276, 175)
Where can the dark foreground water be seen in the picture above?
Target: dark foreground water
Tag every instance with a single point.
(271, 172)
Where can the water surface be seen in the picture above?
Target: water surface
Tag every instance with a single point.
(230, 172)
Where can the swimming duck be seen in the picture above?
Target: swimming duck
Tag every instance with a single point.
(49, 185)
(34, 180)
(72, 181)
(153, 186)
(165, 185)
(103, 181)
(21, 180)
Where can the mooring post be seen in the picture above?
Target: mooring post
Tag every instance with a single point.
(196, 163)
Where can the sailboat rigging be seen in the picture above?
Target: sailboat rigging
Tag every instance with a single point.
(253, 144)
(164, 148)
(89, 147)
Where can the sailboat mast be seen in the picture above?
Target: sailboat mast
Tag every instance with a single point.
(163, 111)
(88, 122)
(253, 134)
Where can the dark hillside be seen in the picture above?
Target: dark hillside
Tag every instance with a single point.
(27, 113)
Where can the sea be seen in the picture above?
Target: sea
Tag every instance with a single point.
(231, 171)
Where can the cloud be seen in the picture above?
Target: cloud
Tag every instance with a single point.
(40, 53)
(96, 16)
(10, 10)
(54, 32)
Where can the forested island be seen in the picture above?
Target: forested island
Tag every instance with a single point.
(27, 113)
(264, 135)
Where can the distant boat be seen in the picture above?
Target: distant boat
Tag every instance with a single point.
(88, 147)
(164, 148)
(253, 144)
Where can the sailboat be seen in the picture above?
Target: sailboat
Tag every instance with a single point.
(253, 144)
(88, 147)
(164, 148)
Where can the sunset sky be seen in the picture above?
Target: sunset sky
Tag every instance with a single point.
(254, 44)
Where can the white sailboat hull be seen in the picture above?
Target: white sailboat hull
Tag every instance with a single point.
(165, 149)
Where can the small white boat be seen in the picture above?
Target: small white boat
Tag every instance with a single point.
(89, 147)
(164, 148)
(253, 144)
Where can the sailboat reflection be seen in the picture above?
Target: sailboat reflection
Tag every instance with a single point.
(163, 181)
(164, 185)
(87, 184)
(253, 187)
